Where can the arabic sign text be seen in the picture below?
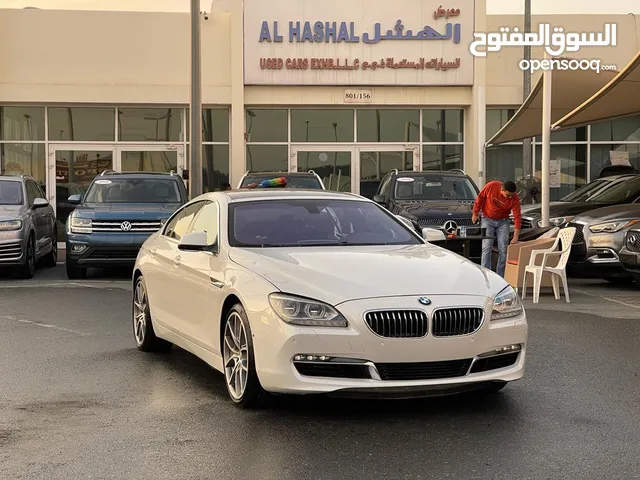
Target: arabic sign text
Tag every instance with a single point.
(355, 64)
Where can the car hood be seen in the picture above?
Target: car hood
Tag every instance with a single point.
(126, 211)
(564, 209)
(536, 207)
(609, 214)
(421, 209)
(11, 212)
(338, 274)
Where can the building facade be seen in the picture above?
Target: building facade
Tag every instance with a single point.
(350, 91)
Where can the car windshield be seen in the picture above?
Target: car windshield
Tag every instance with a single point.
(434, 187)
(620, 193)
(581, 194)
(134, 190)
(293, 181)
(306, 223)
(10, 192)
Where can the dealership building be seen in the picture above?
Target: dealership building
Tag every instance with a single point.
(349, 89)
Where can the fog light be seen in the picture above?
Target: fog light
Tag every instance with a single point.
(311, 358)
(78, 248)
(508, 348)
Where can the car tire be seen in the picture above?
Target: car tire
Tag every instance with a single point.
(74, 272)
(240, 376)
(50, 260)
(28, 268)
(143, 332)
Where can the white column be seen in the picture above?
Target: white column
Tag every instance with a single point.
(238, 164)
(195, 145)
(546, 143)
(480, 102)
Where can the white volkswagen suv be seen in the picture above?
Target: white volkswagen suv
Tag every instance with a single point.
(297, 292)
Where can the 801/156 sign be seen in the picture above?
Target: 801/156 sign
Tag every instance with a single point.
(357, 96)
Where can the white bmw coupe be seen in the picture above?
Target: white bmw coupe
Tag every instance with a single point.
(298, 292)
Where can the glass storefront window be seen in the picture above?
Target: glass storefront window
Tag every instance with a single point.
(215, 124)
(388, 125)
(504, 163)
(215, 161)
(573, 168)
(150, 124)
(24, 159)
(334, 170)
(442, 125)
(266, 125)
(82, 124)
(496, 119)
(149, 161)
(619, 130)
(571, 135)
(267, 158)
(600, 156)
(328, 125)
(22, 123)
(441, 157)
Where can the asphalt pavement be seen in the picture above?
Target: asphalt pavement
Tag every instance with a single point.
(78, 401)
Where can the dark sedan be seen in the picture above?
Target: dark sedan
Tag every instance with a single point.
(599, 238)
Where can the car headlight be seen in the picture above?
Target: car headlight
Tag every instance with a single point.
(506, 304)
(303, 311)
(612, 227)
(81, 225)
(8, 225)
(556, 221)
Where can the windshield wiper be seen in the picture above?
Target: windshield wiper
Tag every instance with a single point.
(320, 242)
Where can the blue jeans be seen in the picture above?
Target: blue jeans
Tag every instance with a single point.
(499, 229)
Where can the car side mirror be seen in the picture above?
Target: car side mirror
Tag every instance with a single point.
(379, 199)
(40, 203)
(75, 199)
(194, 242)
(433, 235)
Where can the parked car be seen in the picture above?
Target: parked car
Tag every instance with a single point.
(27, 226)
(116, 215)
(620, 192)
(436, 199)
(582, 194)
(599, 237)
(276, 291)
(308, 179)
(630, 253)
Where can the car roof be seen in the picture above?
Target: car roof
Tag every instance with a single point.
(409, 173)
(14, 178)
(138, 175)
(284, 194)
(280, 174)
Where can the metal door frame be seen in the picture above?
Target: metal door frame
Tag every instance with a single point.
(142, 147)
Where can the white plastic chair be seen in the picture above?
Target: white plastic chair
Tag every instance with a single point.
(565, 240)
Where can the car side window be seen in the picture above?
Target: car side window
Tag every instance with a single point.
(178, 225)
(39, 191)
(207, 221)
(384, 187)
(32, 192)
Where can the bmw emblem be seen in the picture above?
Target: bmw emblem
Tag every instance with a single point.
(424, 301)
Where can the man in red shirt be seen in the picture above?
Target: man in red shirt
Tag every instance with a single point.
(496, 201)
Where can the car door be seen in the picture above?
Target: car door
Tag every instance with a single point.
(162, 275)
(202, 282)
(48, 219)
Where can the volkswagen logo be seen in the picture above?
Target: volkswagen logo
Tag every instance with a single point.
(450, 227)
(125, 226)
(424, 301)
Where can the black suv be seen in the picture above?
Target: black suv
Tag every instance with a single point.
(119, 211)
(434, 199)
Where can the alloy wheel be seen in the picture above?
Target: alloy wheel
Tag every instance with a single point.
(235, 356)
(140, 312)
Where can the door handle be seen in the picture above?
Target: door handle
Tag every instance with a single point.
(176, 260)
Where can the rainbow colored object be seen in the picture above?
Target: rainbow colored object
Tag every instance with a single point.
(274, 182)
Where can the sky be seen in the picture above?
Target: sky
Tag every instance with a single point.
(493, 6)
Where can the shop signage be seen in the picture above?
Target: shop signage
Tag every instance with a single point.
(303, 43)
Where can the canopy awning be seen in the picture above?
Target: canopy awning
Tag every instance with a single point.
(568, 88)
(620, 97)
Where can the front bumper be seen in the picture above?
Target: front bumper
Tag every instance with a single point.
(12, 247)
(360, 361)
(630, 260)
(104, 249)
(596, 254)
